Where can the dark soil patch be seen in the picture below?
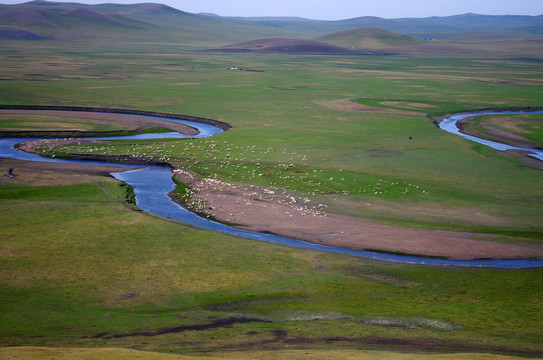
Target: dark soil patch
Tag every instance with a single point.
(380, 343)
(220, 323)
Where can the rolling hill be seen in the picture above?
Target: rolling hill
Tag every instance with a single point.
(431, 27)
(369, 38)
(138, 22)
(291, 46)
(15, 33)
(150, 22)
(362, 41)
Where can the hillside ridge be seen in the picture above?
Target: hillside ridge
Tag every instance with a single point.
(152, 21)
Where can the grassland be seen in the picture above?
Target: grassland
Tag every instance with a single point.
(80, 269)
(298, 112)
(101, 274)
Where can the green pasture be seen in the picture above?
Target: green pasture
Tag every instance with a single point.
(301, 111)
(79, 269)
(100, 274)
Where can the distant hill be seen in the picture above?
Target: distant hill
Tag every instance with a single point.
(283, 45)
(59, 21)
(137, 22)
(14, 33)
(148, 22)
(430, 27)
(369, 39)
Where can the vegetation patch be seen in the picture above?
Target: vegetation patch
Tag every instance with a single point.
(130, 196)
(78, 264)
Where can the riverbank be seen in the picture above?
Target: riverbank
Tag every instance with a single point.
(245, 207)
(500, 135)
(155, 115)
(126, 121)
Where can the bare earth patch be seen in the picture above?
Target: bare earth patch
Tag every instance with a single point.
(260, 209)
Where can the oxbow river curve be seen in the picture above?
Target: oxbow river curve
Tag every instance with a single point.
(450, 124)
(152, 183)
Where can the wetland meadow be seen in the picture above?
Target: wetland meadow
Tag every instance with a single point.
(352, 138)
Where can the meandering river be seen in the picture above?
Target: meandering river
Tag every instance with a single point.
(152, 184)
(450, 124)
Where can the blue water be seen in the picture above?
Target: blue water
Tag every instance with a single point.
(153, 183)
(449, 124)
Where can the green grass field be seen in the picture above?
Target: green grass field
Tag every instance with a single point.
(99, 272)
(80, 270)
(298, 112)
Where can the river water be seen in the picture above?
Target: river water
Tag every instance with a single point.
(152, 184)
(449, 124)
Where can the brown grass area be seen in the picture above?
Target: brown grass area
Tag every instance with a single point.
(415, 106)
(50, 126)
(297, 218)
(425, 210)
(508, 123)
(53, 174)
(124, 121)
(42, 353)
(497, 128)
(35, 353)
(351, 105)
(351, 354)
(435, 75)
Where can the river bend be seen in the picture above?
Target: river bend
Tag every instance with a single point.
(152, 183)
(450, 124)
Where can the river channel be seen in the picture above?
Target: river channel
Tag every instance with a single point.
(450, 124)
(152, 184)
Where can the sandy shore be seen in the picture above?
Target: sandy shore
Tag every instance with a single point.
(260, 209)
